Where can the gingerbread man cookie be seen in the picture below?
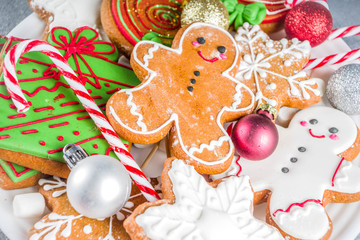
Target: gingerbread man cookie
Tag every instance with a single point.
(195, 209)
(310, 168)
(189, 90)
(273, 69)
(65, 223)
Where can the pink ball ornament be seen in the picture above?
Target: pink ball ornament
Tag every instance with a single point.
(255, 136)
(309, 21)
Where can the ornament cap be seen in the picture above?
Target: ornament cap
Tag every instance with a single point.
(73, 154)
(267, 110)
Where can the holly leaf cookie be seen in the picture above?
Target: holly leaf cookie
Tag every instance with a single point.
(310, 168)
(195, 209)
(35, 139)
(126, 22)
(65, 223)
(189, 90)
(273, 69)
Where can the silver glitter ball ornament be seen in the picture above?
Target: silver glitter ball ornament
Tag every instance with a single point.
(343, 89)
(98, 186)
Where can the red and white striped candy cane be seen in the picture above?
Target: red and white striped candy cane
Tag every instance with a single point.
(333, 59)
(344, 32)
(88, 102)
(292, 3)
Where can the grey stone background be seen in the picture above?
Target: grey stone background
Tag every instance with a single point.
(344, 12)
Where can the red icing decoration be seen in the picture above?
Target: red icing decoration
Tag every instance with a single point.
(58, 97)
(60, 138)
(17, 116)
(89, 91)
(95, 146)
(107, 85)
(43, 109)
(69, 103)
(59, 125)
(97, 97)
(297, 204)
(208, 60)
(78, 143)
(34, 70)
(18, 72)
(336, 171)
(76, 133)
(4, 136)
(240, 168)
(12, 106)
(303, 123)
(17, 174)
(42, 143)
(113, 91)
(84, 117)
(29, 131)
(315, 136)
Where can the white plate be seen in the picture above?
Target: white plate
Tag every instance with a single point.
(346, 217)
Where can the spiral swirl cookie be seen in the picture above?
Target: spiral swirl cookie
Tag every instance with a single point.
(275, 14)
(126, 22)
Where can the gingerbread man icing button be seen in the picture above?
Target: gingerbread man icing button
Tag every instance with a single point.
(273, 69)
(189, 90)
(195, 209)
(310, 168)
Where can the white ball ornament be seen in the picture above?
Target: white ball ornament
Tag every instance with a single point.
(98, 186)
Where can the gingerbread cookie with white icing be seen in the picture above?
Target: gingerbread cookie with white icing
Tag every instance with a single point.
(65, 223)
(310, 168)
(194, 209)
(188, 90)
(70, 14)
(273, 69)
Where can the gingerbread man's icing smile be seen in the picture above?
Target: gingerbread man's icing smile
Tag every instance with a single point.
(189, 90)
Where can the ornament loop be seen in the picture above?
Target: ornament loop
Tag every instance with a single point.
(73, 154)
(266, 107)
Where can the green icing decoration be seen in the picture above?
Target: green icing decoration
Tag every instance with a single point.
(253, 13)
(16, 172)
(154, 37)
(56, 116)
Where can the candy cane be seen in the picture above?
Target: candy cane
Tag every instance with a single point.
(333, 59)
(88, 102)
(292, 3)
(344, 32)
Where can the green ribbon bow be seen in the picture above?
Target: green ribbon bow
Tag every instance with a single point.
(253, 13)
(150, 36)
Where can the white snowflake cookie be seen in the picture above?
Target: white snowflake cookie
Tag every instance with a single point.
(197, 210)
(310, 168)
(273, 69)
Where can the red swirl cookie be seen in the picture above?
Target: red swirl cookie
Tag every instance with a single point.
(275, 14)
(127, 21)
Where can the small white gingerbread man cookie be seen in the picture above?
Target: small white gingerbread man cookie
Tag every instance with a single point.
(309, 169)
(195, 209)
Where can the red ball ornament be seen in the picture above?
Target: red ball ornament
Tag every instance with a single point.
(255, 136)
(309, 21)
